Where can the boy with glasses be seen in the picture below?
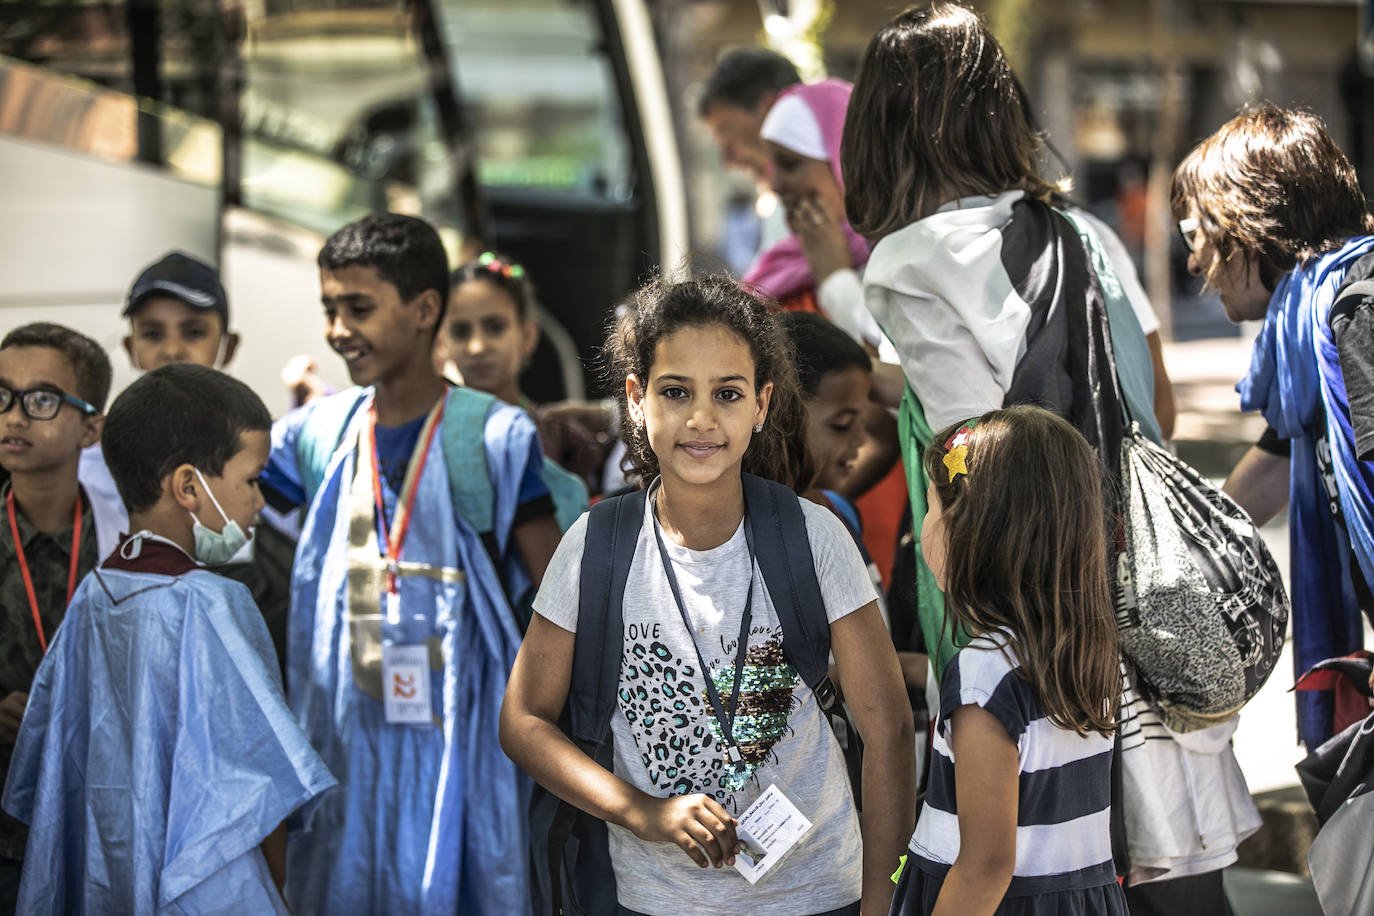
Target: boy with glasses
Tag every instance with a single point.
(53, 386)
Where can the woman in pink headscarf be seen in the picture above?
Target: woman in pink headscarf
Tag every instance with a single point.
(816, 269)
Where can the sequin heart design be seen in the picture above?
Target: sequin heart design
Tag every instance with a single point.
(766, 700)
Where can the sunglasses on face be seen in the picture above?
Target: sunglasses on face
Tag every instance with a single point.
(41, 403)
(1187, 228)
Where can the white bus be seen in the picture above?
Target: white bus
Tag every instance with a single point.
(245, 131)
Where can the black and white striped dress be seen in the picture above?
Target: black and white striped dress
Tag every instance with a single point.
(1063, 834)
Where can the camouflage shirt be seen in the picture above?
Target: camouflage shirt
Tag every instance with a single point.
(49, 558)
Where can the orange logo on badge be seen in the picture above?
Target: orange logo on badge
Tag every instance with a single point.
(403, 686)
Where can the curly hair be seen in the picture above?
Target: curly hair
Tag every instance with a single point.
(936, 114)
(1027, 552)
(661, 308)
(1272, 187)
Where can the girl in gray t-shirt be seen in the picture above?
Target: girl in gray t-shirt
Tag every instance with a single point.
(709, 393)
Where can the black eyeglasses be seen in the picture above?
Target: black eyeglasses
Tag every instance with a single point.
(1187, 228)
(41, 403)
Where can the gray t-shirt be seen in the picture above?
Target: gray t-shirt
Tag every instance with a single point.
(667, 740)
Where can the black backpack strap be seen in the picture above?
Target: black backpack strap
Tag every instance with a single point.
(612, 533)
(783, 552)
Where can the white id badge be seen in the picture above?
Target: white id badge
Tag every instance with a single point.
(405, 685)
(767, 830)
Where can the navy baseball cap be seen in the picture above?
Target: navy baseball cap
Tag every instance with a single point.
(192, 281)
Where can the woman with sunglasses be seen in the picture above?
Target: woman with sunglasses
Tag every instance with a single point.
(1274, 219)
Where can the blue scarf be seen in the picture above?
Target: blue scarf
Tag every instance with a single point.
(1295, 381)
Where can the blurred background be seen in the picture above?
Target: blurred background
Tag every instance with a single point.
(562, 131)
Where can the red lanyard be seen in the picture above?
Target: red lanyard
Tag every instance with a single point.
(392, 541)
(24, 564)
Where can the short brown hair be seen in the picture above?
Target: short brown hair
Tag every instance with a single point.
(1273, 186)
(1027, 552)
(935, 114)
(89, 363)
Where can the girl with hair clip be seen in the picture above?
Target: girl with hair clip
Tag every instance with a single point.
(708, 391)
(994, 297)
(489, 334)
(1017, 816)
(1274, 220)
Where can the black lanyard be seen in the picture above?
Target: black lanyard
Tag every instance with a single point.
(727, 723)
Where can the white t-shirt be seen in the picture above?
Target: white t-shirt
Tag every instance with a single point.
(939, 289)
(666, 736)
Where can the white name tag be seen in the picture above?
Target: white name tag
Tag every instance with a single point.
(405, 685)
(770, 827)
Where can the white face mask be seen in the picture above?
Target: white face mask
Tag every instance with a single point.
(215, 548)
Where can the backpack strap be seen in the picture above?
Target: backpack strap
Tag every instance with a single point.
(568, 491)
(321, 434)
(612, 533)
(465, 453)
(783, 551)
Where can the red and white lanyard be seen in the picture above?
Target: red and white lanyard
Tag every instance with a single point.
(394, 535)
(24, 564)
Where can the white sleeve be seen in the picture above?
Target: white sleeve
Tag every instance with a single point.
(940, 291)
(845, 583)
(841, 296)
(940, 357)
(560, 590)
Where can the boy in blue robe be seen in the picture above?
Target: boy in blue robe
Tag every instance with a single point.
(428, 519)
(157, 759)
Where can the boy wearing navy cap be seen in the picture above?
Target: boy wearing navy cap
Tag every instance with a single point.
(178, 313)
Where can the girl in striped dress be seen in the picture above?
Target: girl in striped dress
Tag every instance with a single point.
(1017, 816)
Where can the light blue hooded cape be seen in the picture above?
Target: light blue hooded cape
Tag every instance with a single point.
(431, 819)
(157, 752)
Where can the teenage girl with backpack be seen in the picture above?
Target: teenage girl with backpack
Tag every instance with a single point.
(1017, 818)
(708, 393)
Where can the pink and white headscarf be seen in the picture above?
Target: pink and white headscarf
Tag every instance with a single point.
(809, 120)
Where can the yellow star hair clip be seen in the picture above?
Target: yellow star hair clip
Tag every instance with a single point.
(954, 461)
(956, 450)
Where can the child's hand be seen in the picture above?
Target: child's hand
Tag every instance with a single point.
(693, 823)
(11, 715)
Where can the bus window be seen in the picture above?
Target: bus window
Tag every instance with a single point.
(539, 92)
(339, 120)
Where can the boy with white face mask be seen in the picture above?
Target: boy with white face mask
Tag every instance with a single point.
(176, 665)
(178, 312)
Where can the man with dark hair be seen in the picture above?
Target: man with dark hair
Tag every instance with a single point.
(156, 741)
(735, 100)
(428, 521)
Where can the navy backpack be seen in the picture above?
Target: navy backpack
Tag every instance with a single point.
(570, 861)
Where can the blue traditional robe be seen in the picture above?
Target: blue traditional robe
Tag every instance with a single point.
(1295, 381)
(432, 818)
(157, 752)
